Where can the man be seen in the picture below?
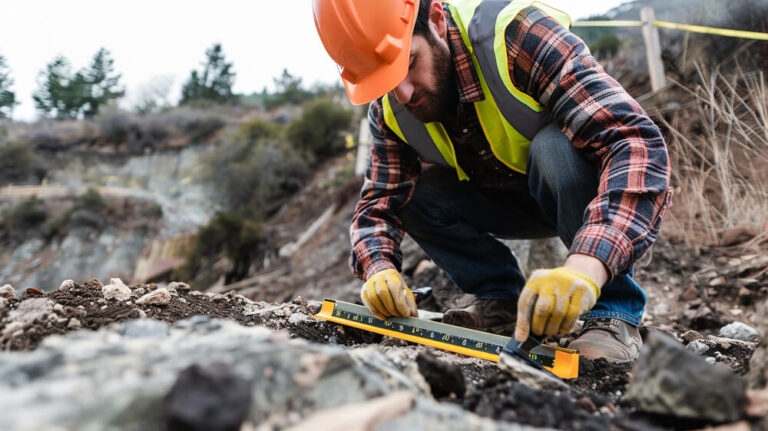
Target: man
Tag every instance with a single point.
(489, 118)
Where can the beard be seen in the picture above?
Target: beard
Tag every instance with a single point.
(443, 97)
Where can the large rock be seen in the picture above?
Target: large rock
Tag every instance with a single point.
(739, 331)
(758, 365)
(119, 377)
(670, 380)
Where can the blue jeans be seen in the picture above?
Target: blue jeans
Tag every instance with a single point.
(455, 223)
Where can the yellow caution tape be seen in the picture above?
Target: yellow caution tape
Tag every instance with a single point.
(675, 26)
(712, 30)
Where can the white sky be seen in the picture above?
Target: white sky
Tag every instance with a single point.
(150, 39)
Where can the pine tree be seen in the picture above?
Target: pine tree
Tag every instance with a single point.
(60, 93)
(63, 94)
(215, 81)
(102, 83)
(7, 97)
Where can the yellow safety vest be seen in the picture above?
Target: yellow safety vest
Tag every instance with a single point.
(509, 117)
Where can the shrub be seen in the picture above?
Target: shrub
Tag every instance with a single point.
(28, 214)
(239, 235)
(260, 128)
(256, 173)
(92, 201)
(318, 130)
(19, 164)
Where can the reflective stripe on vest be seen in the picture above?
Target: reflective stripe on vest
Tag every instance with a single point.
(509, 117)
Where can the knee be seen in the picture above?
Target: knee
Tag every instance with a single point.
(554, 164)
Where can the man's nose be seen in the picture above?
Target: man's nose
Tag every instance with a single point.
(404, 92)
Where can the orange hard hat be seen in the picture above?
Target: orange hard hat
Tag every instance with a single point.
(370, 40)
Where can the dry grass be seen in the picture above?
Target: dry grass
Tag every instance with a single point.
(718, 143)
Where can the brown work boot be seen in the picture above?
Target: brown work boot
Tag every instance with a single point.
(491, 315)
(612, 339)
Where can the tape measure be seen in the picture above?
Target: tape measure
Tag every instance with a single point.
(561, 362)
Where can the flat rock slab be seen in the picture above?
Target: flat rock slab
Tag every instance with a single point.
(126, 376)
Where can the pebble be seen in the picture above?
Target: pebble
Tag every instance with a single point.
(698, 346)
(67, 285)
(74, 324)
(156, 297)
(739, 331)
(691, 335)
(182, 300)
(118, 291)
(710, 360)
(690, 293)
(7, 292)
(179, 286)
(140, 291)
(58, 307)
(32, 292)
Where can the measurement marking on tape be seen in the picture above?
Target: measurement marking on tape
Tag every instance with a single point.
(455, 340)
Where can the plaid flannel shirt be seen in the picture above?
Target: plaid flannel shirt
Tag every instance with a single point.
(555, 67)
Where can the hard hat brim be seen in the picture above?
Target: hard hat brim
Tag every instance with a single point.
(381, 81)
(385, 78)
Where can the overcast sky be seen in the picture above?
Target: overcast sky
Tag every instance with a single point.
(168, 38)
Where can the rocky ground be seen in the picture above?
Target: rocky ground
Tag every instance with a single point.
(94, 356)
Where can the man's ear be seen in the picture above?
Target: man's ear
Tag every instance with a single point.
(437, 19)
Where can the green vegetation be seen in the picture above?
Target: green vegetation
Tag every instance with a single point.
(63, 95)
(28, 214)
(253, 167)
(19, 164)
(318, 130)
(7, 97)
(213, 83)
(239, 235)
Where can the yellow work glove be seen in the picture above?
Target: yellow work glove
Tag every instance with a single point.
(386, 295)
(552, 300)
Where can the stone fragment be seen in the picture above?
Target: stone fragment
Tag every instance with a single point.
(179, 286)
(32, 292)
(139, 291)
(690, 293)
(7, 292)
(74, 324)
(159, 297)
(697, 346)
(670, 380)
(530, 376)
(739, 331)
(444, 378)
(207, 398)
(358, 416)
(691, 335)
(67, 285)
(758, 364)
(118, 291)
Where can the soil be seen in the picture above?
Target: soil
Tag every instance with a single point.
(595, 398)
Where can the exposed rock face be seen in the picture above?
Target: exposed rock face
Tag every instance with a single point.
(671, 380)
(120, 376)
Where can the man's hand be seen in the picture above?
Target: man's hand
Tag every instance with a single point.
(386, 295)
(552, 300)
